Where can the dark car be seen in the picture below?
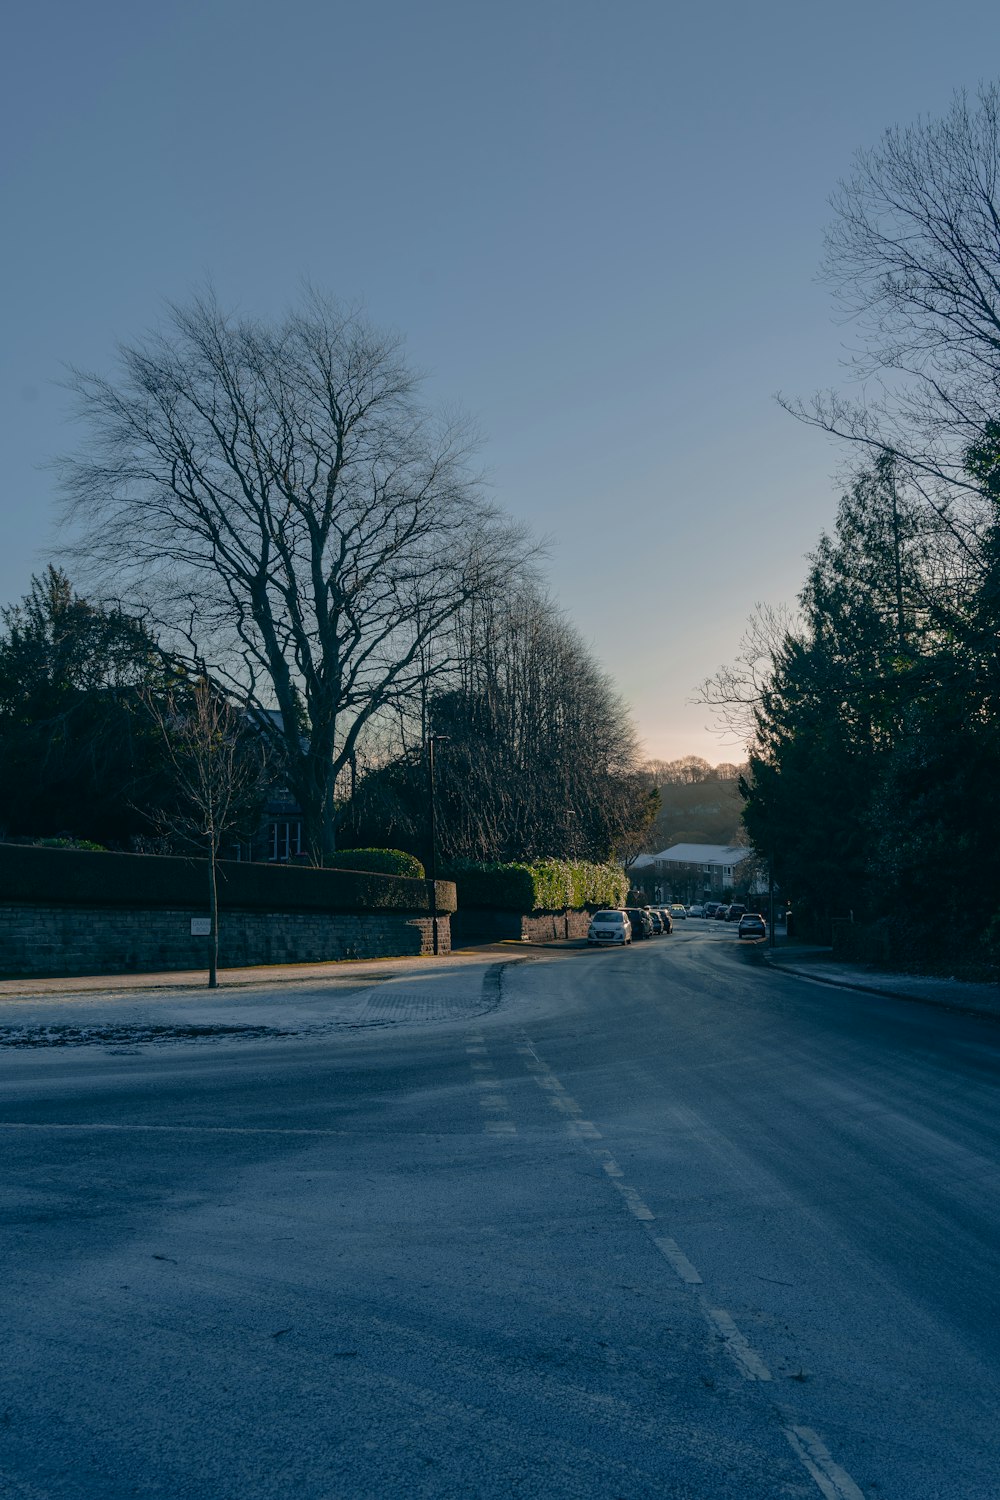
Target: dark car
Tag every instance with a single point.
(752, 925)
(668, 923)
(711, 907)
(642, 927)
(734, 912)
(720, 914)
(656, 919)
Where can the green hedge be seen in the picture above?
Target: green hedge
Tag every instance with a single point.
(72, 877)
(379, 861)
(543, 885)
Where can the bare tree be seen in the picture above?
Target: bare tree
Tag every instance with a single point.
(913, 256)
(313, 523)
(219, 780)
(735, 691)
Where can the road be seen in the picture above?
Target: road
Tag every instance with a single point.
(649, 1223)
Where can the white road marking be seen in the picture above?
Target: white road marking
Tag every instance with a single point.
(633, 1201)
(491, 1101)
(833, 1481)
(747, 1360)
(675, 1255)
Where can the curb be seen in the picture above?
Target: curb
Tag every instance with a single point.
(881, 991)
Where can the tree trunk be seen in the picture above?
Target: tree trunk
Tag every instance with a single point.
(213, 912)
(314, 790)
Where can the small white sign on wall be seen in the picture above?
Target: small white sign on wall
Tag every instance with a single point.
(201, 926)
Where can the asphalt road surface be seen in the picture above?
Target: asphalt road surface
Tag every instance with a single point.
(658, 1222)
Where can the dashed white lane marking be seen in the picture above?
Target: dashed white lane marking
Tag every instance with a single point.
(833, 1481)
(492, 1102)
(747, 1360)
(633, 1202)
(558, 1097)
(673, 1252)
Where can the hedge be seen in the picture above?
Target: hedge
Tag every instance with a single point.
(543, 885)
(379, 861)
(73, 877)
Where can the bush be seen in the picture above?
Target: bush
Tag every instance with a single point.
(543, 885)
(77, 878)
(379, 861)
(68, 843)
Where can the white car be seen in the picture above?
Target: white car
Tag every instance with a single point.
(609, 927)
(677, 911)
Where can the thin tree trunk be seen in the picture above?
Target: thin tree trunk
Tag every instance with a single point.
(213, 912)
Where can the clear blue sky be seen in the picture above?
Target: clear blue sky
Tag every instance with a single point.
(598, 225)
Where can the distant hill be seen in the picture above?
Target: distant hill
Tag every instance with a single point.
(701, 804)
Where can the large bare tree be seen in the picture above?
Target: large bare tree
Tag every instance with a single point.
(308, 520)
(913, 256)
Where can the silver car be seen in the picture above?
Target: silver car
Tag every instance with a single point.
(608, 927)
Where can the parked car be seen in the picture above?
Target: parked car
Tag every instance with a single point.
(734, 912)
(711, 907)
(668, 922)
(678, 912)
(752, 925)
(720, 913)
(656, 919)
(696, 910)
(642, 927)
(609, 927)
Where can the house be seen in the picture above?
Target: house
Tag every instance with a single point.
(280, 838)
(696, 872)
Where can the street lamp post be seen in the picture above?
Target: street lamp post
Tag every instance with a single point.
(432, 740)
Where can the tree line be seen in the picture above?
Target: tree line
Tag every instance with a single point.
(873, 711)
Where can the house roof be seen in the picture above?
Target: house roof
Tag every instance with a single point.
(703, 854)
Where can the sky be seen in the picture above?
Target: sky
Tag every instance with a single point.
(598, 226)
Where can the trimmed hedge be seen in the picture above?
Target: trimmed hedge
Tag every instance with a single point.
(543, 885)
(73, 877)
(379, 862)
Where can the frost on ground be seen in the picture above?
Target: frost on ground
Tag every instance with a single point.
(130, 1036)
(129, 1020)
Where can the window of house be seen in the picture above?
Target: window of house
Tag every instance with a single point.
(286, 840)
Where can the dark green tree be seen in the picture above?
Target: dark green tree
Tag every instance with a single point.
(78, 755)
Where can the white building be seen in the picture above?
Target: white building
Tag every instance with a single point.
(688, 871)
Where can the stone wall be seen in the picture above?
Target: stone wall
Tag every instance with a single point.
(474, 926)
(37, 939)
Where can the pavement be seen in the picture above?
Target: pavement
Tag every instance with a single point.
(347, 970)
(809, 961)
